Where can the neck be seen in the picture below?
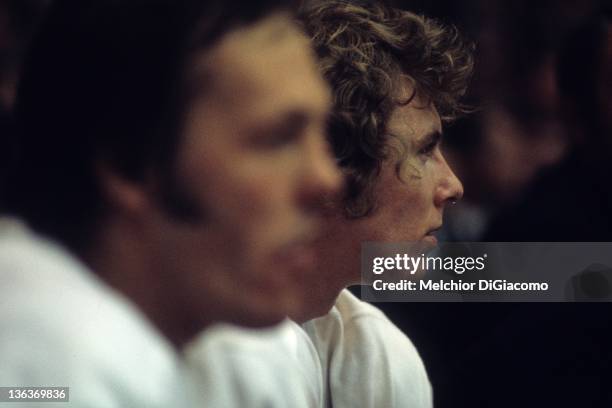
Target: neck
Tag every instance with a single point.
(124, 260)
(339, 267)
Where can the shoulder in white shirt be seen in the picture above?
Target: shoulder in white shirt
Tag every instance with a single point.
(367, 361)
(274, 367)
(62, 326)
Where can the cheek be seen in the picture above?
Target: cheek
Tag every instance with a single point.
(397, 206)
(257, 203)
(408, 190)
(246, 203)
(414, 201)
(265, 192)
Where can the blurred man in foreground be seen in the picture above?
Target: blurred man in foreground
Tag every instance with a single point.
(170, 157)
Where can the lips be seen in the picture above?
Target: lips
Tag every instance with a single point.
(298, 253)
(429, 238)
(297, 257)
(433, 230)
(301, 256)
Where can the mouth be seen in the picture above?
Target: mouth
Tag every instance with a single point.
(432, 231)
(298, 253)
(297, 257)
(430, 236)
(430, 240)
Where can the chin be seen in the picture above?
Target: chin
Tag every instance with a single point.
(260, 315)
(263, 320)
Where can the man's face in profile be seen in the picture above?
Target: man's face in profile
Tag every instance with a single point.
(413, 187)
(254, 159)
(415, 183)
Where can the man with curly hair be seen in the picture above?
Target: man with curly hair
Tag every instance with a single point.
(396, 78)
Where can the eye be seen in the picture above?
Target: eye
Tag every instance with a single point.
(278, 135)
(429, 148)
(277, 138)
(431, 143)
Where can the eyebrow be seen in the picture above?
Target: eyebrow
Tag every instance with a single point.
(288, 123)
(435, 136)
(294, 118)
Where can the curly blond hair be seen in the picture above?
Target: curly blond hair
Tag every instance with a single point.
(364, 50)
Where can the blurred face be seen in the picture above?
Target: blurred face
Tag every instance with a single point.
(254, 159)
(532, 134)
(508, 140)
(415, 183)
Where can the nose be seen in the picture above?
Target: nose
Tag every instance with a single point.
(449, 188)
(322, 177)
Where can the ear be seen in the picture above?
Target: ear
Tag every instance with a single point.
(121, 193)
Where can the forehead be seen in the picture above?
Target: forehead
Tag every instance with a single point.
(260, 69)
(415, 120)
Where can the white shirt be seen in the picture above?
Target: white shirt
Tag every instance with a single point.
(367, 361)
(275, 367)
(62, 326)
